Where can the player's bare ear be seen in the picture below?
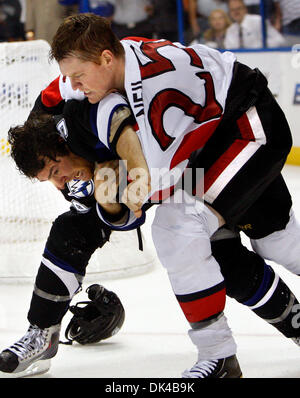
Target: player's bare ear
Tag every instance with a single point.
(106, 57)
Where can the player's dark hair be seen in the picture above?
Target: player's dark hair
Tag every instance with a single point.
(85, 36)
(34, 141)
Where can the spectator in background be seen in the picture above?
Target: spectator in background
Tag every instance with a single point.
(132, 18)
(129, 17)
(246, 31)
(11, 28)
(214, 36)
(199, 12)
(287, 20)
(43, 18)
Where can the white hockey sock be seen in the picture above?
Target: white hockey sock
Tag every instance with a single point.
(214, 341)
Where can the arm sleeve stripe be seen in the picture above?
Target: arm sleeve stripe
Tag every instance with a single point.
(130, 223)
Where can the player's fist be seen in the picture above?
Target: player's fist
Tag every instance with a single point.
(137, 191)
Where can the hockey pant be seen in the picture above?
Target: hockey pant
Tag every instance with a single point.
(181, 233)
(72, 240)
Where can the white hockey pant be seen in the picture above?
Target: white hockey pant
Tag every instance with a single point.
(181, 234)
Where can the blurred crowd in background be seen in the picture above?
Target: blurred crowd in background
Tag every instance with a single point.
(223, 24)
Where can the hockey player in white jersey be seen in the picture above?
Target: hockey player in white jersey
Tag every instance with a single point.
(80, 125)
(189, 99)
(213, 298)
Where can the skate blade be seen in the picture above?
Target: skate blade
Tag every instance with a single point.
(36, 368)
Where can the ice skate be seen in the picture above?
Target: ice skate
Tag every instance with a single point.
(31, 354)
(215, 368)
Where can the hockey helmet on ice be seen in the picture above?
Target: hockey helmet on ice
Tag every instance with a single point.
(95, 320)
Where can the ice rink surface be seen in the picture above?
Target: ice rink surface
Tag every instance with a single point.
(153, 341)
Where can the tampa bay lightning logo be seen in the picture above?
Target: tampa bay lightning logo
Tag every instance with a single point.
(81, 189)
(61, 127)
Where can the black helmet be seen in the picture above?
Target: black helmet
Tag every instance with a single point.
(98, 319)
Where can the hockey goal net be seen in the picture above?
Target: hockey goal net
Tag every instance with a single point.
(27, 209)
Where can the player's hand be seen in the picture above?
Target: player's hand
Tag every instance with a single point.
(137, 191)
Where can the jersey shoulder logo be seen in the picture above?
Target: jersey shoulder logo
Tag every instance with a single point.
(80, 189)
(62, 129)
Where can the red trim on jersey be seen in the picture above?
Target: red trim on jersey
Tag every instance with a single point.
(192, 141)
(224, 160)
(245, 128)
(220, 165)
(51, 95)
(203, 308)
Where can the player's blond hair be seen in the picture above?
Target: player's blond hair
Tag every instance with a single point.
(85, 36)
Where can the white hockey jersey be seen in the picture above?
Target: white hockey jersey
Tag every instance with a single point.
(177, 95)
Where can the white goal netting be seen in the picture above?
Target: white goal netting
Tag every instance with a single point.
(27, 209)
